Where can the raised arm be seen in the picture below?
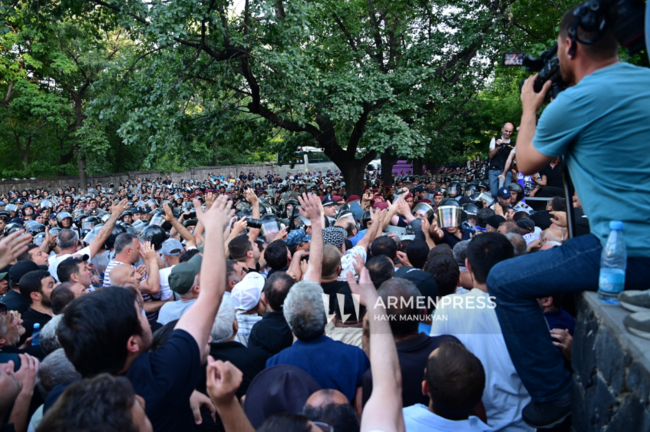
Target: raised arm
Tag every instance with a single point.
(199, 319)
(98, 242)
(311, 209)
(250, 196)
(152, 284)
(184, 232)
(383, 411)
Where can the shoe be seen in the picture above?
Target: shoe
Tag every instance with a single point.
(638, 323)
(547, 414)
(635, 301)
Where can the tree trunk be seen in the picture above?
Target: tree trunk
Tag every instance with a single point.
(387, 161)
(65, 159)
(417, 166)
(353, 173)
(83, 178)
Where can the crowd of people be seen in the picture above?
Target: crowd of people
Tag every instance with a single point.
(435, 302)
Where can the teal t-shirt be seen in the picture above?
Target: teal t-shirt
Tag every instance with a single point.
(602, 125)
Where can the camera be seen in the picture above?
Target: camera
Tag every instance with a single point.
(624, 17)
(254, 223)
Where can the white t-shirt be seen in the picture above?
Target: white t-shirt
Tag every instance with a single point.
(165, 292)
(478, 329)
(54, 261)
(418, 418)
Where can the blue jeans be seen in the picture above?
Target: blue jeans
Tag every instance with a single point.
(518, 282)
(494, 181)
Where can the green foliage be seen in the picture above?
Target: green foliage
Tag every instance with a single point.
(127, 85)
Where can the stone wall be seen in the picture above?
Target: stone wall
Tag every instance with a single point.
(611, 371)
(198, 173)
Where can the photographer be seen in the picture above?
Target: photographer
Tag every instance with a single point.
(501, 152)
(595, 124)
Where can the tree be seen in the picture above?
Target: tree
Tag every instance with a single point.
(355, 78)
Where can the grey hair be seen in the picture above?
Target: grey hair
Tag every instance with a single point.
(460, 252)
(49, 339)
(55, 370)
(222, 327)
(518, 243)
(304, 310)
(67, 238)
(123, 241)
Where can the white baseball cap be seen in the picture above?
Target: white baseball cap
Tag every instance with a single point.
(247, 293)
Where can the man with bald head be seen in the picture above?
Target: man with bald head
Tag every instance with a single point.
(332, 407)
(121, 274)
(502, 150)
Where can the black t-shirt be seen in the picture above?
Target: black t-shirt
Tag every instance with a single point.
(451, 239)
(272, 334)
(250, 361)
(165, 379)
(31, 317)
(553, 175)
(424, 283)
(14, 301)
(413, 354)
(332, 289)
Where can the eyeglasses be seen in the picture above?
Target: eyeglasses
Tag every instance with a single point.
(324, 426)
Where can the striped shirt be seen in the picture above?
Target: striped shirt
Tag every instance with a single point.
(245, 323)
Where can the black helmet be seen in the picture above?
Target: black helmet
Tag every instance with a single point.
(39, 239)
(61, 216)
(34, 227)
(449, 202)
(471, 209)
(454, 189)
(12, 227)
(471, 189)
(154, 234)
(516, 187)
(476, 199)
(90, 222)
(365, 217)
(117, 230)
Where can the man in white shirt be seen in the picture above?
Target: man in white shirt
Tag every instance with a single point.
(454, 379)
(171, 251)
(184, 281)
(68, 240)
(246, 297)
(472, 319)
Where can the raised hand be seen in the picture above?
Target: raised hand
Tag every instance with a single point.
(169, 215)
(217, 216)
(223, 380)
(365, 289)
(148, 252)
(118, 209)
(13, 245)
(311, 207)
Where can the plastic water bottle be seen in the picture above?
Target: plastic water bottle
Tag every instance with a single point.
(36, 334)
(613, 263)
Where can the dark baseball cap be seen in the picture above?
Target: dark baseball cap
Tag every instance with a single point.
(504, 193)
(4, 272)
(20, 269)
(495, 220)
(181, 278)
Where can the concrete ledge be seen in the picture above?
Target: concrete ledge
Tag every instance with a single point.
(611, 379)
